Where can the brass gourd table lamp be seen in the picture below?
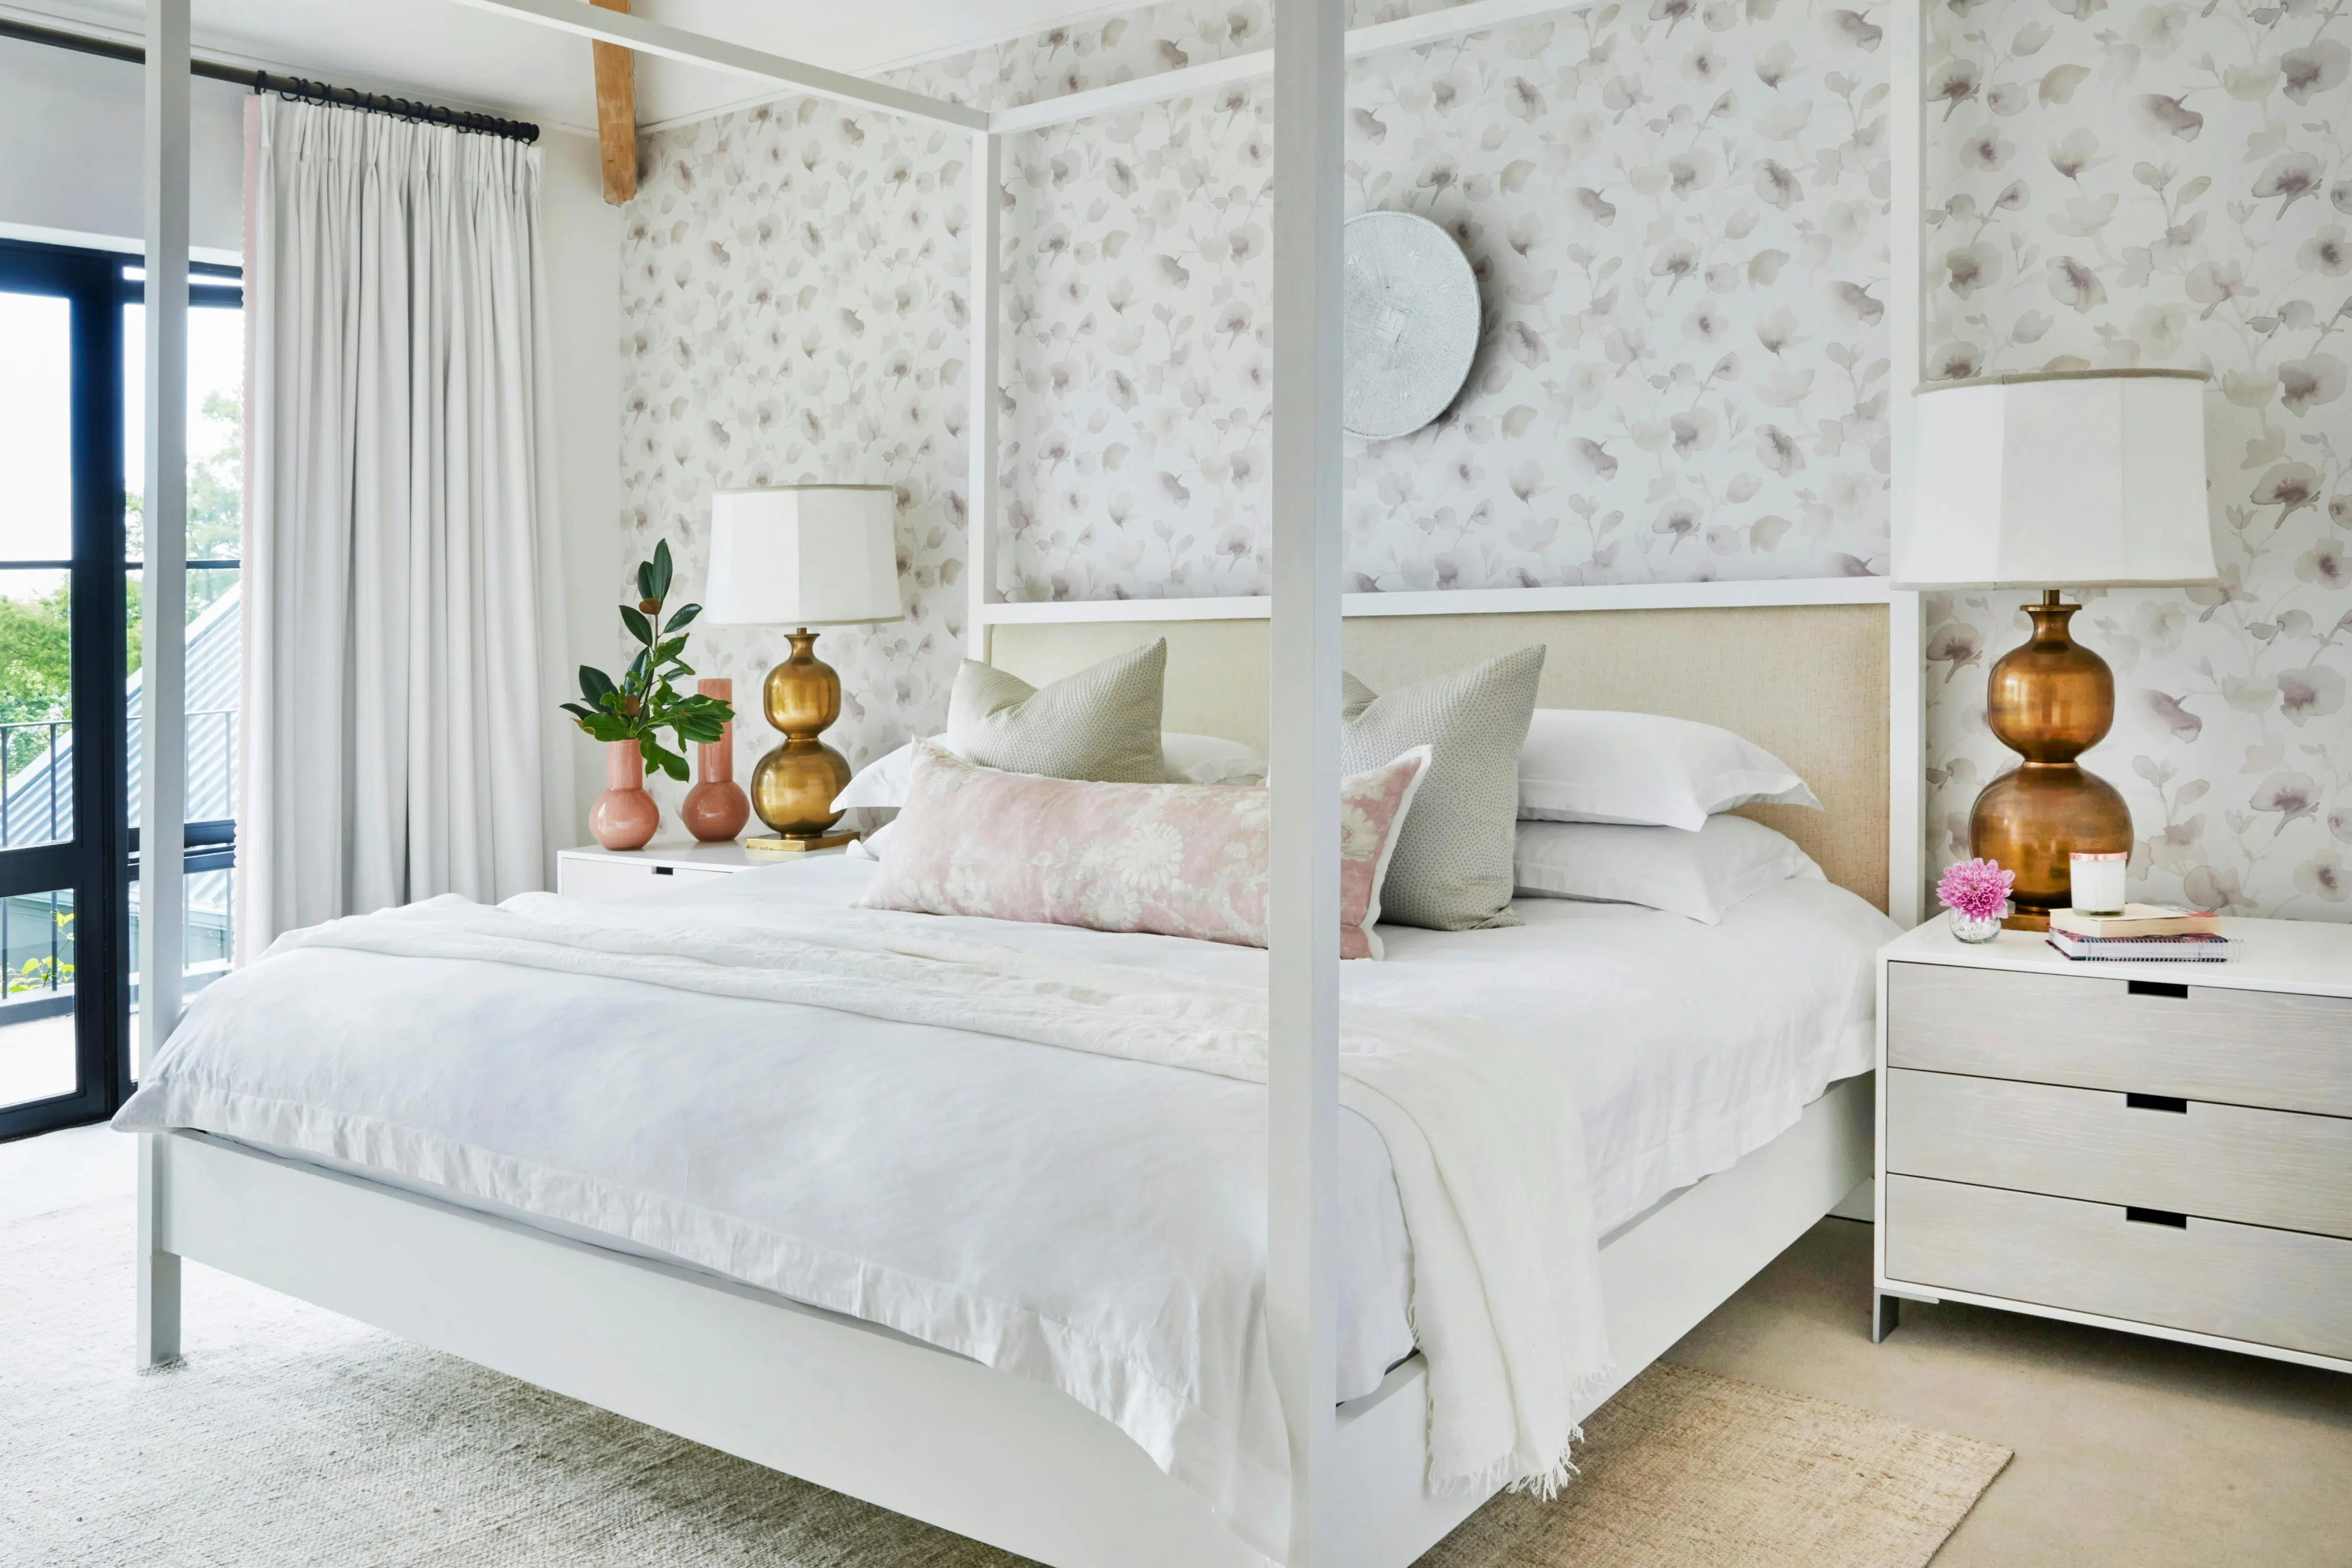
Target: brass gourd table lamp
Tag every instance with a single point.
(802, 555)
(2059, 479)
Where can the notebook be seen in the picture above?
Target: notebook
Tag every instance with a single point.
(2190, 949)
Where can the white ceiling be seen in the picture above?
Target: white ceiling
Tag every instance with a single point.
(453, 54)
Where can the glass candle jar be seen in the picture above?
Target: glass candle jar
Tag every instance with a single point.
(2098, 883)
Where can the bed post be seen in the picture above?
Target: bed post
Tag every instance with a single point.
(159, 1272)
(1907, 323)
(163, 712)
(163, 657)
(1303, 973)
(979, 506)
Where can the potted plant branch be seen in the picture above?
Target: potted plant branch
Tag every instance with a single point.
(630, 714)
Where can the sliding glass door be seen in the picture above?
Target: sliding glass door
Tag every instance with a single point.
(70, 622)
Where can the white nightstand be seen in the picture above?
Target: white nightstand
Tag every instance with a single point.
(599, 873)
(2164, 1148)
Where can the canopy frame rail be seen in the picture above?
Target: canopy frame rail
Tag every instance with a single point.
(670, 43)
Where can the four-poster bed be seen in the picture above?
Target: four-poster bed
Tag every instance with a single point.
(1824, 671)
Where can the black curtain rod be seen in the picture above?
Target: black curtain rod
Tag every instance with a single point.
(285, 87)
(398, 107)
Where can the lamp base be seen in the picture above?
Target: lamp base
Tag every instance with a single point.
(777, 844)
(2051, 700)
(793, 786)
(2031, 819)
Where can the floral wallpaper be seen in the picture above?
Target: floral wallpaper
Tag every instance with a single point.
(1676, 212)
(1678, 221)
(2169, 184)
(793, 311)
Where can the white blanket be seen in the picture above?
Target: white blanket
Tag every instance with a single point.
(1482, 1135)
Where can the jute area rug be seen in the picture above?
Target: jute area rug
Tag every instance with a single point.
(294, 1437)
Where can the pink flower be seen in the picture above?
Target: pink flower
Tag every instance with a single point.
(1978, 889)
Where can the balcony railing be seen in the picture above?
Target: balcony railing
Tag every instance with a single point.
(36, 930)
(36, 802)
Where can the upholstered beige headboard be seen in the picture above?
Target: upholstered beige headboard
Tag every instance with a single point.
(1808, 683)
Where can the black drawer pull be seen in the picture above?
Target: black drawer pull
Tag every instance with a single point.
(2173, 988)
(2156, 1216)
(665, 870)
(2157, 1102)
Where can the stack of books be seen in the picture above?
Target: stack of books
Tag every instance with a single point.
(2142, 931)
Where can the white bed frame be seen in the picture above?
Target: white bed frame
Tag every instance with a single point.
(867, 1411)
(872, 1413)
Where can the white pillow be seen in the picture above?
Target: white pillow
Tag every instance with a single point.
(1583, 765)
(882, 783)
(1207, 759)
(1192, 759)
(1699, 876)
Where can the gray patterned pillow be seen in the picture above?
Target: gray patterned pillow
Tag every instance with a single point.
(1452, 867)
(1101, 724)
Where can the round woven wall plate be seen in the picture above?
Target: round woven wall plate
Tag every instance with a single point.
(1413, 323)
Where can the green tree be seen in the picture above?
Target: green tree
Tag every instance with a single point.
(36, 669)
(35, 633)
(215, 512)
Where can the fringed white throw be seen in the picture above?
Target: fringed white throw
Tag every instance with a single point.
(1482, 1133)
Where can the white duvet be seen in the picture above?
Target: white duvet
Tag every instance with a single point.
(1093, 1220)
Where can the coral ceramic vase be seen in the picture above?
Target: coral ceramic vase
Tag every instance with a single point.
(715, 808)
(624, 816)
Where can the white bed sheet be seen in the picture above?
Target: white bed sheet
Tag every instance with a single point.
(894, 1156)
(1691, 1044)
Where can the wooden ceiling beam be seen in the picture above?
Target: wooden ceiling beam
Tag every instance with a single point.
(616, 113)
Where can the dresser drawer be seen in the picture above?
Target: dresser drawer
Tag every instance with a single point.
(2282, 1288)
(2243, 1048)
(586, 877)
(2221, 1162)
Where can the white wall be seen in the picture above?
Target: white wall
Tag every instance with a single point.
(584, 280)
(72, 170)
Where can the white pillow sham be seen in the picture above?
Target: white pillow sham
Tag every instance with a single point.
(1210, 759)
(1584, 765)
(1698, 875)
(881, 784)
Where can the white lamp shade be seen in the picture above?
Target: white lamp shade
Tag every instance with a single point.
(2063, 479)
(808, 555)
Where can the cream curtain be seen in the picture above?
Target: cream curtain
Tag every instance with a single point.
(403, 623)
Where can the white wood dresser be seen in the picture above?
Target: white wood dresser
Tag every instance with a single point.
(594, 873)
(2159, 1147)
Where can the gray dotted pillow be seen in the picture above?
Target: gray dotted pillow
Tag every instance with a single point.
(1452, 867)
(1101, 724)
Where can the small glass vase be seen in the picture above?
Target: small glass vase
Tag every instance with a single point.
(1975, 928)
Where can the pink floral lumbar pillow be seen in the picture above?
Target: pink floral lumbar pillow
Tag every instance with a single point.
(1177, 860)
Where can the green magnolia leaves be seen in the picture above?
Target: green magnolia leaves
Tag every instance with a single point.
(644, 702)
(653, 576)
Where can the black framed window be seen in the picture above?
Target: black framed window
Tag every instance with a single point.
(71, 447)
